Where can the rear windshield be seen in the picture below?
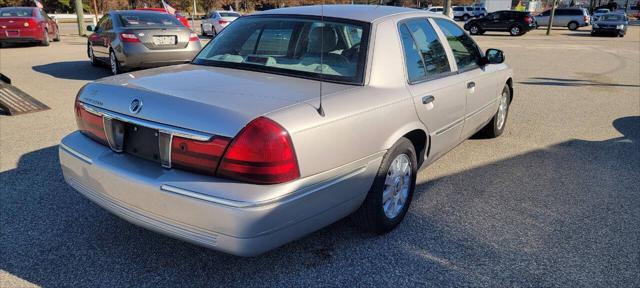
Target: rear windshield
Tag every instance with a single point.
(16, 12)
(228, 14)
(332, 50)
(150, 19)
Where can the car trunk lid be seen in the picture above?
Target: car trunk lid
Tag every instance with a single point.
(163, 38)
(218, 101)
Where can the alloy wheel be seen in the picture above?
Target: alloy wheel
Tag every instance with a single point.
(396, 186)
(502, 110)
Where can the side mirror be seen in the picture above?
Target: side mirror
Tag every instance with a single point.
(91, 28)
(493, 56)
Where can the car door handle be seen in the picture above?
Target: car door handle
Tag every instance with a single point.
(428, 99)
(471, 85)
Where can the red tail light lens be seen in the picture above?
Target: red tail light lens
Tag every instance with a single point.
(586, 18)
(221, 22)
(90, 124)
(128, 37)
(193, 37)
(30, 23)
(261, 153)
(528, 19)
(197, 156)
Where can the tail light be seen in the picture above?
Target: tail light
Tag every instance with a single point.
(30, 23)
(222, 22)
(528, 19)
(261, 153)
(90, 124)
(197, 156)
(586, 18)
(128, 37)
(193, 37)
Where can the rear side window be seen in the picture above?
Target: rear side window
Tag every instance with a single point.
(458, 8)
(432, 52)
(415, 66)
(465, 50)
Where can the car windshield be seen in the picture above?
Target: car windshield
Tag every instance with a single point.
(332, 50)
(16, 12)
(228, 14)
(611, 17)
(148, 19)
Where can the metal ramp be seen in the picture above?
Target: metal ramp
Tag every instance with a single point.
(14, 101)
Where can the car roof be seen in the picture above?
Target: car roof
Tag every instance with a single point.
(364, 13)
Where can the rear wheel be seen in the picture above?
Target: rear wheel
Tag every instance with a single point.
(390, 195)
(496, 126)
(515, 30)
(57, 37)
(465, 17)
(573, 26)
(45, 38)
(114, 64)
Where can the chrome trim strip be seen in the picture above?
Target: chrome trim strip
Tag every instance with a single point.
(176, 131)
(448, 127)
(280, 200)
(76, 154)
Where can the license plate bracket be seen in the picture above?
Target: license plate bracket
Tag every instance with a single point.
(142, 142)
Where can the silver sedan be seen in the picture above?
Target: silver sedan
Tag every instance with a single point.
(140, 39)
(288, 121)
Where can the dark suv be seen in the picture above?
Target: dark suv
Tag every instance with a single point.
(515, 22)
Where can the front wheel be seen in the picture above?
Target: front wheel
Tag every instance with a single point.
(57, 37)
(495, 127)
(515, 30)
(465, 17)
(392, 190)
(92, 56)
(572, 26)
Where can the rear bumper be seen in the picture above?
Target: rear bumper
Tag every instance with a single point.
(21, 35)
(195, 208)
(136, 55)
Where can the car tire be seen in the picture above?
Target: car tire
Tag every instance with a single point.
(395, 181)
(57, 37)
(92, 56)
(497, 125)
(45, 38)
(621, 34)
(474, 29)
(114, 64)
(465, 17)
(573, 26)
(515, 30)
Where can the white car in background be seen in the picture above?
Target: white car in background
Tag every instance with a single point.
(462, 12)
(215, 21)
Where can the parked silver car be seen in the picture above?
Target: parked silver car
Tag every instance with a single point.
(215, 21)
(140, 39)
(260, 140)
(572, 18)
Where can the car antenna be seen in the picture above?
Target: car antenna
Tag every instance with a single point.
(320, 110)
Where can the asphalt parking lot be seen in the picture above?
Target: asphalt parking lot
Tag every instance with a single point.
(553, 202)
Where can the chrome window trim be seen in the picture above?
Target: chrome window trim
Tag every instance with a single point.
(175, 131)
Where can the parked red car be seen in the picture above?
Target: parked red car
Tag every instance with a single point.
(181, 18)
(27, 25)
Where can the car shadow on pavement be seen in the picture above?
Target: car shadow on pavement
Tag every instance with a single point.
(565, 215)
(74, 70)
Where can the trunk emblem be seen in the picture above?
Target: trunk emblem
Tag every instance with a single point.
(135, 106)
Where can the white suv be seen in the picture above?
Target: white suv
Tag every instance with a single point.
(462, 12)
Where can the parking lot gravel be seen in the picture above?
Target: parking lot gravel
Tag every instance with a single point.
(554, 202)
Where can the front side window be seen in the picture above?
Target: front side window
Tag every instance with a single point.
(465, 50)
(458, 9)
(332, 50)
(431, 50)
